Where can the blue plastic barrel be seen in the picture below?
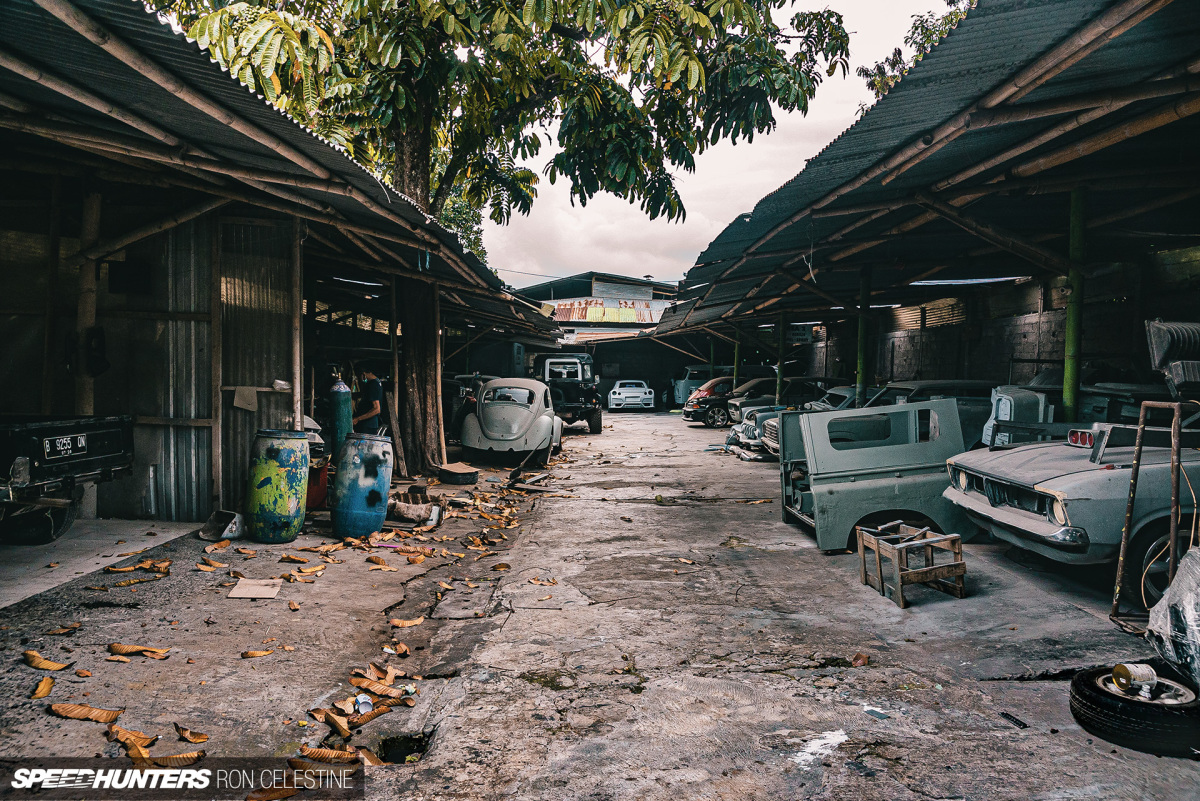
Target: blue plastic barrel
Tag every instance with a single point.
(343, 415)
(278, 483)
(360, 488)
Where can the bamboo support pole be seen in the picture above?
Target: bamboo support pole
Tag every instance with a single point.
(297, 324)
(437, 372)
(1163, 115)
(53, 279)
(864, 303)
(1073, 330)
(99, 250)
(216, 365)
(89, 232)
(1108, 100)
(1024, 249)
(674, 348)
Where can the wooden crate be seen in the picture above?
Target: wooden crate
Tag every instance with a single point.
(896, 542)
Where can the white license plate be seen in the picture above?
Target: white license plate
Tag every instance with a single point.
(59, 447)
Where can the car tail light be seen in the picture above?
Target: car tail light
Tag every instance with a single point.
(1081, 438)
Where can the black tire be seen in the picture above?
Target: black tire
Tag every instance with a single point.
(716, 417)
(1149, 543)
(1140, 725)
(595, 422)
(40, 526)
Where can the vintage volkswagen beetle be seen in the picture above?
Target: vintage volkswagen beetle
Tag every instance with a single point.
(513, 415)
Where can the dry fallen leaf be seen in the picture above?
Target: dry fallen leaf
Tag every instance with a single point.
(377, 560)
(83, 674)
(445, 586)
(543, 582)
(97, 588)
(217, 546)
(116, 659)
(116, 734)
(255, 654)
(368, 757)
(295, 607)
(246, 552)
(337, 723)
(111, 569)
(205, 568)
(85, 712)
(132, 581)
(287, 557)
(36, 660)
(859, 660)
(367, 717)
(272, 793)
(178, 760)
(547, 598)
(379, 688)
(189, 735)
(144, 650)
(417, 559)
(289, 648)
(212, 562)
(43, 688)
(332, 755)
(502, 566)
(404, 624)
(384, 568)
(686, 561)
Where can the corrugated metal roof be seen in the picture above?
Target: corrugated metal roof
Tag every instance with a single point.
(997, 40)
(38, 38)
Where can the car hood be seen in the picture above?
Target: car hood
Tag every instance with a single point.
(1029, 465)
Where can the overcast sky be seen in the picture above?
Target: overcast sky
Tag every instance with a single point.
(609, 235)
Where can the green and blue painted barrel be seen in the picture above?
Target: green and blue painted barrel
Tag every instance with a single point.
(360, 488)
(343, 416)
(278, 483)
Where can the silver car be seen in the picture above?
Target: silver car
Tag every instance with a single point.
(630, 395)
(1066, 500)
(513, 415)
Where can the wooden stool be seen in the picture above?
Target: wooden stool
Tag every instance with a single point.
(895, 541)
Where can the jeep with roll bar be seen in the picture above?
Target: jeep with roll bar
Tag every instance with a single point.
(574, 388)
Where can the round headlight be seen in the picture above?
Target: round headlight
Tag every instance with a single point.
(962, 480)
(1058, 512)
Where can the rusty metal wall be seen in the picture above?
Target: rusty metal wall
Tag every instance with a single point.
(256, 337)
(159, 344)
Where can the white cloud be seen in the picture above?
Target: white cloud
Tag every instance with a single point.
(610, 235)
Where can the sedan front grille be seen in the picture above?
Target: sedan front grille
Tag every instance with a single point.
(771, 430)
(1002, 493)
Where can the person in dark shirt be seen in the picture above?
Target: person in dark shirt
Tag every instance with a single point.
(370, 403)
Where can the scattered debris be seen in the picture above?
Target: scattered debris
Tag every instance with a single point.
(43, 688)
(255, 654)
(36, 660)
(85, 712)
(189, 735)
(1016, 721)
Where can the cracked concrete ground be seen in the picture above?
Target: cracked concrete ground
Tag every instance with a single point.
(692, 647)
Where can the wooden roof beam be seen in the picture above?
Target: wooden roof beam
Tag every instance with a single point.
(1034, 254)
(1107, 100)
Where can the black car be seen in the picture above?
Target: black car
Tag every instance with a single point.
(713, 410)
(796, 392)
(573, 387)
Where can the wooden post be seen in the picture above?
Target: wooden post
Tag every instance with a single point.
(297, 327)
(437, 372)
(52, 289)
(393, 398)
(1073, 333)
(737, 357)
(89, 232)
(216, 368)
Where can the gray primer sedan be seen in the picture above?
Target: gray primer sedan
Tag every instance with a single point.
(1067, 501)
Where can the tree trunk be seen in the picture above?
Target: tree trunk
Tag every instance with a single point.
(420, 417)
(414, 154)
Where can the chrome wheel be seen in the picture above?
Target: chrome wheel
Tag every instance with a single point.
(717, 417)
(1165, 692)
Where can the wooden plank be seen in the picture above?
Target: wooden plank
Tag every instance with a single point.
(216, 399)
(923, 575)
(400, 468)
